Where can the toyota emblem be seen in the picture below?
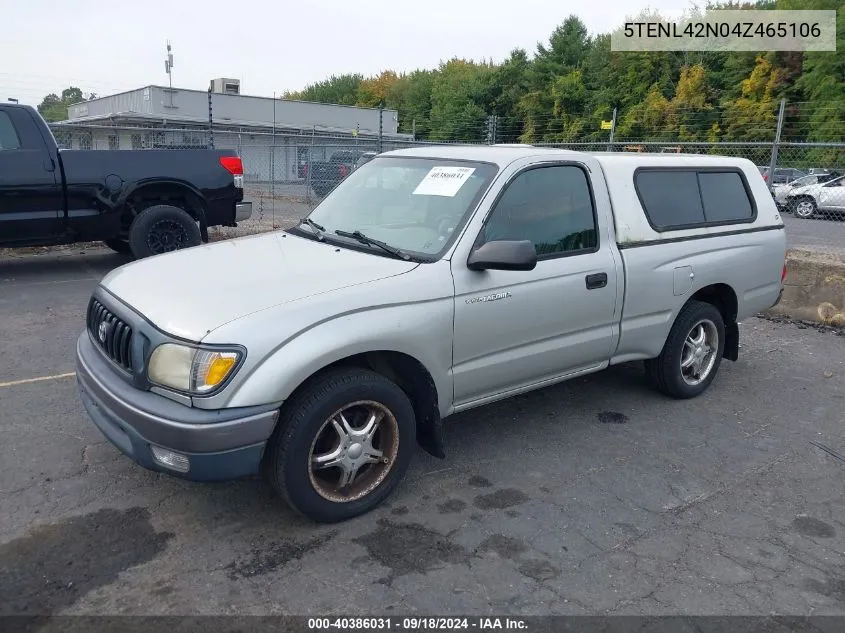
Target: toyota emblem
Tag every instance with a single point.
(101, 331)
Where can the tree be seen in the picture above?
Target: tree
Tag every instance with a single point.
(411, 96)
(54, 107)
(373, 92)
(752, 116)
(649, 120)
(822, 82)
(691, 114)
(457, 108)
(340, 89)
(573, 81)
(509, 83)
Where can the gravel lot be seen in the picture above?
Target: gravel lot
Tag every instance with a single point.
(595, 496)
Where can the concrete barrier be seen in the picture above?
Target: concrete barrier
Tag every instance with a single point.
(814, 289)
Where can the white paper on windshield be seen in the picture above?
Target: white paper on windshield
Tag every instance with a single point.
(443, 181)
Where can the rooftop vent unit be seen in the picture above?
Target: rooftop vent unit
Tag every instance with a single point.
(223, 86)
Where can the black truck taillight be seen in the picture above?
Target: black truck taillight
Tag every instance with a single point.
(235, 166)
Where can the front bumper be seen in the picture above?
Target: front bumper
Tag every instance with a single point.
(243, 211)
(220, 444)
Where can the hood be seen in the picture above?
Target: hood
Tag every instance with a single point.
(191, 292)
(804, 189)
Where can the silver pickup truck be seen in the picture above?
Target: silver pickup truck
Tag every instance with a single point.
(430, 281)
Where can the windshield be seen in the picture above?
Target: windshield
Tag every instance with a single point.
(412, 204)
(806, 180)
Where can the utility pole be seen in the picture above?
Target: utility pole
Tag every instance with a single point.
(612, 132)
(774, 160)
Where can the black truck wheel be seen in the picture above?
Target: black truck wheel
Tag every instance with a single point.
(161, 229)
(342, 445)
(118, 245)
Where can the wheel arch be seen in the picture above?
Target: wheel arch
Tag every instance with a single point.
(173, 192)
(724, 298)
(412, 376)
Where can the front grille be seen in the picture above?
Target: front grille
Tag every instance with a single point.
(109, 332)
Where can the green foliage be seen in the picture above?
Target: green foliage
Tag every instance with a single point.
(457, 100)
(54, 107)
(340, 89)
(574, 81)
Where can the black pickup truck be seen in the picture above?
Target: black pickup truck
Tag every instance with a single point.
(141, 202)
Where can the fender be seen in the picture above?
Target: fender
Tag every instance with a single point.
(133, 187)
(413, 329)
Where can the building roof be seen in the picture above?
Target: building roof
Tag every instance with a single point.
(157, 103)
(205, 93)
(118, 119)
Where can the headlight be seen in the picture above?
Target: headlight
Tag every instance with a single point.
(191, 369)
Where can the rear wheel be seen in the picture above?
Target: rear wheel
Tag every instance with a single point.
(692, 353)
(805, 208)
(162, 229)
(343, 444)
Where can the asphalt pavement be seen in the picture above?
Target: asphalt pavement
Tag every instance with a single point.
(594, 496)
(815, 234)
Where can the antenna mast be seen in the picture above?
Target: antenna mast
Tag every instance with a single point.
(168, 67)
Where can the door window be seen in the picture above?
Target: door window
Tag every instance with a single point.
(550, 206)
(9, 138)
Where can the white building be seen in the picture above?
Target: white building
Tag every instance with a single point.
(274, 137)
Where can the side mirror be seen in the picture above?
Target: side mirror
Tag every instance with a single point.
(503, 255)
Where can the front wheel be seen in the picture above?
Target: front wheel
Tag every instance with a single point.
(692, 353)
(343, 444)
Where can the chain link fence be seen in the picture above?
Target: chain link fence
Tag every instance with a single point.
(287, 172)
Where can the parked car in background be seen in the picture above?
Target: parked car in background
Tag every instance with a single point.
(366, 157)
(782, 175)
(820, 198)
(325, 175)
(781, 192)
(430, 281)
(143, 202)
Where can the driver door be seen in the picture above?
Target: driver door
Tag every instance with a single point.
(514, 329)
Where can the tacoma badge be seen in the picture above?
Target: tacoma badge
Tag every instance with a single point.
(493, 297)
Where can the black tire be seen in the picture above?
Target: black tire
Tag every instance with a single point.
(118, 245)
(664, 373)
(162, 228)
(305, 419)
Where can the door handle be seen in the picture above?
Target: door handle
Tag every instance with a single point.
(598, 280)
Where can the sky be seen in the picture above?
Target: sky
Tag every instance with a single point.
(270, 45)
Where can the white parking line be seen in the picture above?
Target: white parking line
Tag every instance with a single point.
(26, 381)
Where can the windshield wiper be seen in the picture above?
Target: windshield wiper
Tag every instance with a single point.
(357, 235)
(318, 228)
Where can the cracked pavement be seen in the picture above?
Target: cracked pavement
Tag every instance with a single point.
(596, 496)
